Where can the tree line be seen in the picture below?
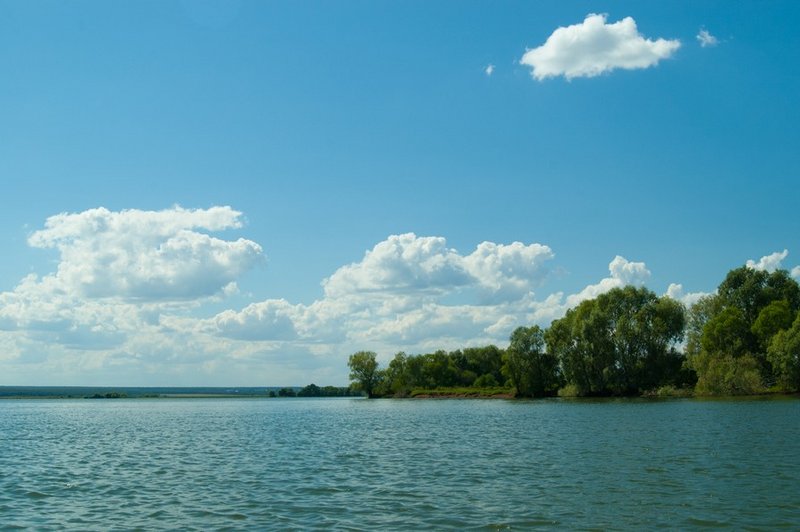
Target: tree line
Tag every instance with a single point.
(744, 339)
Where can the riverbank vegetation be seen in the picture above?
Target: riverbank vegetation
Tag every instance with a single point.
(744, 339)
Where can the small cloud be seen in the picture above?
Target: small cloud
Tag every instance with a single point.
(595, 47)
(769, 263)
(489, 70)
(676, 292)
(706, 40)
(623, 273)
(796, 272)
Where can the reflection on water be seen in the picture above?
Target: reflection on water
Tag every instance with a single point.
(398, 464)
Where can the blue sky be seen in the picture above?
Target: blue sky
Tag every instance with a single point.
(296, 136)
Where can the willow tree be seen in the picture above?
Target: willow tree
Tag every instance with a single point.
(364, 373)
(622, 342)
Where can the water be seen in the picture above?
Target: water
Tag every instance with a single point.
(398, 464)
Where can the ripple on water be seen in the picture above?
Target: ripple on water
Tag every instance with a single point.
(400, 465)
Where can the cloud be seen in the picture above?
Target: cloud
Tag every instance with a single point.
(769, 263)
(149, 255)
(623, 273)
(796, 272)
(706, 39)
(267, 320)
(594, 47)
(408, 264)
(407, 292)
(404, 281)
(507, 271)
(675, 291)
(402, 295)
(402, 263)
(489, 70)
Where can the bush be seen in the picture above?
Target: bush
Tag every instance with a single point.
(730, 376)
(570, 390)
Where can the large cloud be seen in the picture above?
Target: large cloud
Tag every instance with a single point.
(416, 293)
(410, 264)
(149, 255)
(595, 47)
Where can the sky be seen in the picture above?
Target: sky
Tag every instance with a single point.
(245, 193)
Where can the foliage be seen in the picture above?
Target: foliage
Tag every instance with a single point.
(570, 390)
(738, 338)
(623, 342)
(364, 372)
(532, 371)
(463, 391)
(669, 391)
(784, 355)
(729, 375)
(473, 366)
(312, 390)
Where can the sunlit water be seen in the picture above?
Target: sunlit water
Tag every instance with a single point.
(398, 464)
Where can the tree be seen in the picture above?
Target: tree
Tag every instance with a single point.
(396, 378)
(622, 342)
(731, 334)
(312, 390)
(532, 371)
(775, 317)
(364, 372)
(784, 355)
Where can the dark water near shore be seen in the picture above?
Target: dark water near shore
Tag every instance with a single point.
(399, 464)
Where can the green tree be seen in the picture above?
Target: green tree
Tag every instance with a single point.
(622, 342)
(312, 390)
(775, 317)
(732, 330)
(531, 370)
(784, 355)
(703, 310)
(364, 373)
(725, 333)
(397, 380)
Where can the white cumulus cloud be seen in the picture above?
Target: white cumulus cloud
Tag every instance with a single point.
(796, 272)
(151, 255)
(769, 263)
(489, 70)
(594, 47)
(623, 272)
(676, 292)
(410, 264)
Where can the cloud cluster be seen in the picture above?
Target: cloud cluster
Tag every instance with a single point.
(594, 47)
(127, 298)
(118, 272)
(146, 255)
(399, 293)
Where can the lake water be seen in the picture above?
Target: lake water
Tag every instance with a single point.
(399, 464)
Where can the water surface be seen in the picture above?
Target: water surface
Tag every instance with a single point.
(399, 464)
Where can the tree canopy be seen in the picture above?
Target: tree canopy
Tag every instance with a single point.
(627, 341)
